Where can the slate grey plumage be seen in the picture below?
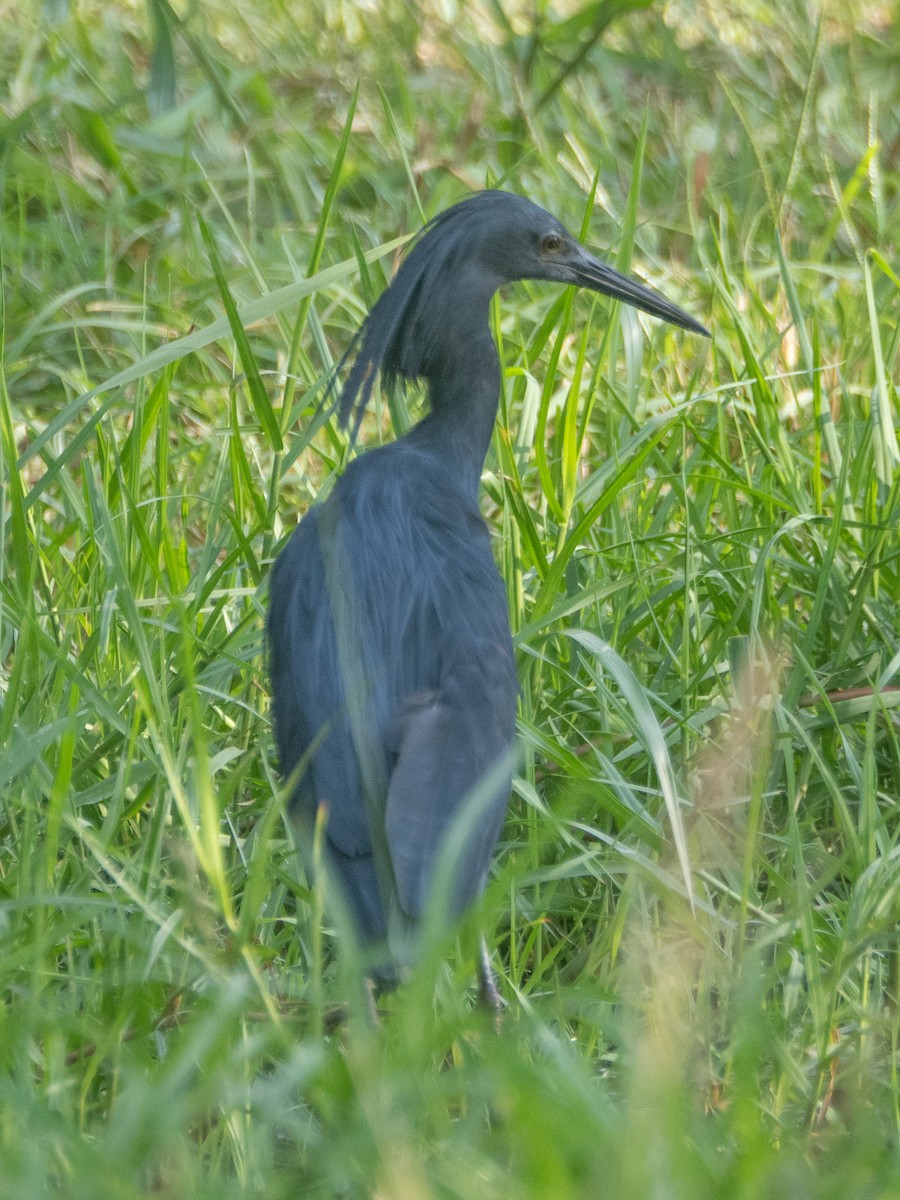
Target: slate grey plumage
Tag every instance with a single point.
(391, 657)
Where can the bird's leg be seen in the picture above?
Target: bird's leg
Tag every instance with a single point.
(371, 1001)
(488, 992)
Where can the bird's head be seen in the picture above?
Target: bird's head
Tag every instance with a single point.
(522, 241)
(461, 258)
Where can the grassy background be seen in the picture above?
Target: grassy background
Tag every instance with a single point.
(701, 550)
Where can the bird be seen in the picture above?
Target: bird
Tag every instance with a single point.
(393, 675)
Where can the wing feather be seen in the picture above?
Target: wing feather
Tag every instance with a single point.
(385, 594)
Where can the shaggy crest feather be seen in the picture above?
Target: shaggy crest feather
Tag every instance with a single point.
(401, 337)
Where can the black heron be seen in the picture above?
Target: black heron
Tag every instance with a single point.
(393, 676)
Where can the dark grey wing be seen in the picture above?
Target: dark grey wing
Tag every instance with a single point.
(452, 777)
(402, 568)
(308, 688)
(453, 727)
(295, 596)
(312, 729)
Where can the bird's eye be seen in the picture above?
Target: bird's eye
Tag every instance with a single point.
(551, 243)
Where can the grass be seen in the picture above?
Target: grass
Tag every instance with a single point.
(702, 552)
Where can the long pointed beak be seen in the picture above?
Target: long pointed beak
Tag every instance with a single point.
(589, 272)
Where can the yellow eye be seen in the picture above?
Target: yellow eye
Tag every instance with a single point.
(551, 243)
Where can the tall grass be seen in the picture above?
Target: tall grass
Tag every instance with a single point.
(702, 552)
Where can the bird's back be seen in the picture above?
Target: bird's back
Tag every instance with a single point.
(393, 671)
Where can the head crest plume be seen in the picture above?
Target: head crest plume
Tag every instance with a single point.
(398, 337)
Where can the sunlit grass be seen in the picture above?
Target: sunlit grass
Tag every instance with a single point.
(701, 543)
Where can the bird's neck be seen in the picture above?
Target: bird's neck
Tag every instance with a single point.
(463, 398)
